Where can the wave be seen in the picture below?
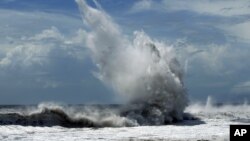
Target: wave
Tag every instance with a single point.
(76, 116)
(48, 117)
(237, 112)
(65, 116)
(143, 72)
(51, 114)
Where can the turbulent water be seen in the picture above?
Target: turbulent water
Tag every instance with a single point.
(50, 122)
(144, 72)
(49, 114)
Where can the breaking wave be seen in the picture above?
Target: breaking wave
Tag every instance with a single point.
(71, 116)
(144, 72)
(49, 114)
(76, 116)
(237, 112)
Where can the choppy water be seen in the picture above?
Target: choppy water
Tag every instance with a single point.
(39, 123)
(77, 116)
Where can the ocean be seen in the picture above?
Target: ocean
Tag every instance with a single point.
(57, 122)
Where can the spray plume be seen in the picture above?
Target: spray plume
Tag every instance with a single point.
(142, 71)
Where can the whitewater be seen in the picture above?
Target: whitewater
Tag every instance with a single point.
(211, 122)
(145, 75)
(144, 72)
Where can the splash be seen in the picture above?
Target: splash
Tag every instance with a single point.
(143, 71)
(52, 114)
(236, 112)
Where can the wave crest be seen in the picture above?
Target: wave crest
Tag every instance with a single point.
(56, 115)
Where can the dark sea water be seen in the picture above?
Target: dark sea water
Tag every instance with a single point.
(50, 114)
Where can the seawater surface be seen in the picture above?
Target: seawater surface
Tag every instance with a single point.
(44, 122)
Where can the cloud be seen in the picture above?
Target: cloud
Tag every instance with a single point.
(52, 33)
(37, 50)
(17, 24)
(40, 54)
(240, 31)
(216, 33)
(214, 59)
(211, 7)
(207, 7)
(141, 5)
(25, 55)
(31, 51)
(216, 70)
(241, 88)
(34, 49)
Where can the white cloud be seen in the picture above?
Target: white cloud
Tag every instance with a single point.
(242, 88)
(52, 33)
(25, 55)
(240, 31)
(33, 42)
(36, 50)
(20, 24)
(209, 7)
(79, 38)
(141, 5)
(214, 59)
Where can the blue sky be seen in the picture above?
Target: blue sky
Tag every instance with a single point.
(43, 55)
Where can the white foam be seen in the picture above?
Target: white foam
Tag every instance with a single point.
(142, 70)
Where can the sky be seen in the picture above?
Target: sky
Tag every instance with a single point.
(43, 56)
